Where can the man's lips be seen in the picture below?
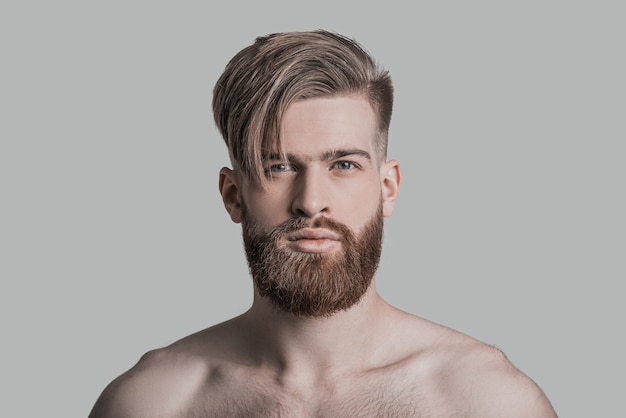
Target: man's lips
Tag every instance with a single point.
(314, 240)
(314, 234)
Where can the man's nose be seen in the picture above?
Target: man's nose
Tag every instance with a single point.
(311, 193)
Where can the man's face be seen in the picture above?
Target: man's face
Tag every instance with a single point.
(313, 233)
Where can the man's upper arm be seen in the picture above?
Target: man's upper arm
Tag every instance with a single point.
(109, 404)
(517, 399)
(129, 394)
(163, 383)
(506, 391)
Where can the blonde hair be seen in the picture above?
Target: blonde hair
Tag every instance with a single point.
(263, 79)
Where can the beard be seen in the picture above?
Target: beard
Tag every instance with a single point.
(312, 284)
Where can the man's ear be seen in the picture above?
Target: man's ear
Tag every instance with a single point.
(229, 185)
(390, 181)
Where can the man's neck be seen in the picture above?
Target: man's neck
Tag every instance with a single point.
(343, 342)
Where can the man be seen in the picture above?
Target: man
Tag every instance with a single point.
(305, 117)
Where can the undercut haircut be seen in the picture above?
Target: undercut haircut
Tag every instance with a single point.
(262, 80)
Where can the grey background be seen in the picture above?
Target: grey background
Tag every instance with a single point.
(508, 124)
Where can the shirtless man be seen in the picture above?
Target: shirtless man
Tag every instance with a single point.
(305, 117)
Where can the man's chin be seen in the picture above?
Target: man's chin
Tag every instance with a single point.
(313, 272)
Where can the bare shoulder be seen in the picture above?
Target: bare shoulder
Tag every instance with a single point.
(498, 388)
(164, 382)
(157, 385)
(481, 380)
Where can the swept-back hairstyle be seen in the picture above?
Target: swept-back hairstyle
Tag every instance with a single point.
(263, 79)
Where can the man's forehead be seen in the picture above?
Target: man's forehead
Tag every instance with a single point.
(339, 110)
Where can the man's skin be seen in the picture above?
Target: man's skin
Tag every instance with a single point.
(371, 360)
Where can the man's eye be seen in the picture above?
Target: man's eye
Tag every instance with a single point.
(279, 168)
(344, 165)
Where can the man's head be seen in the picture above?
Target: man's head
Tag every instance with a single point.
(265, 78)
(305, 117)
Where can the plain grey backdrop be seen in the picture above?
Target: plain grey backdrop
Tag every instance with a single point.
(509, 125)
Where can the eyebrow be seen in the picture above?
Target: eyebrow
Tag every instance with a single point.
(326, 156)
(340, 153)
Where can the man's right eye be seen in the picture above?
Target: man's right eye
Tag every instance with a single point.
(278, 168)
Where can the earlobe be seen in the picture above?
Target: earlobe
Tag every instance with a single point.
(229, 189)
(390, 178)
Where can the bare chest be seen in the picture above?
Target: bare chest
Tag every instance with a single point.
(356, 398)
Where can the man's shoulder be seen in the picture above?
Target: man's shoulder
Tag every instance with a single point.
(465, 374)
(480, 376)
(164, 381)
(157, 385)
(501, 389)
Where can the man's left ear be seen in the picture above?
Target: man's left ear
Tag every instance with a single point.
(390, 178)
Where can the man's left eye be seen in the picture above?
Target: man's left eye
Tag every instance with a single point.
(344, 165)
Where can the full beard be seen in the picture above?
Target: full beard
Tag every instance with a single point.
(313, 284)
